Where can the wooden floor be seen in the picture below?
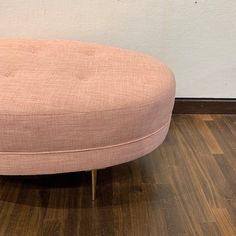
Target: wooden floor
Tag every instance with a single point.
(185, 187)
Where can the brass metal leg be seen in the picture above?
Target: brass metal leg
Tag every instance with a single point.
(94, 182)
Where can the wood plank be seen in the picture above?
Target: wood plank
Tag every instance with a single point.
(224, 222)
(208, 137)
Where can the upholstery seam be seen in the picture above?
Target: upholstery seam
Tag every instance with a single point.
(87, 149)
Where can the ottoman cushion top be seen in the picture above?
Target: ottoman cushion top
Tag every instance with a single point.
(64, 96)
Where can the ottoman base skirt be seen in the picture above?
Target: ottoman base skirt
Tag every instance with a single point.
(61, 162)
(83, 160)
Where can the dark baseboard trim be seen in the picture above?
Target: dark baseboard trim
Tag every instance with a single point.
(204, 106)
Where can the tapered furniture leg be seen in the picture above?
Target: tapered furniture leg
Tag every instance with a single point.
(94, 183)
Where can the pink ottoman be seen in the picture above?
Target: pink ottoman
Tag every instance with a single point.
(70, 106)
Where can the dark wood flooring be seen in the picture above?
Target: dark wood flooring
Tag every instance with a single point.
(185, 187)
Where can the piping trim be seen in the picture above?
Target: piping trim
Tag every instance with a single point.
(88, 149)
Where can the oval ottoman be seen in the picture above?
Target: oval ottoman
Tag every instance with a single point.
(70, 106)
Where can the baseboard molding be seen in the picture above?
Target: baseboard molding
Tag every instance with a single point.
(204, 106)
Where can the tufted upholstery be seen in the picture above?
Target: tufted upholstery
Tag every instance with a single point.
(69, 106)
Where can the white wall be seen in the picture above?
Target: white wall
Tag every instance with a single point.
(197, 40)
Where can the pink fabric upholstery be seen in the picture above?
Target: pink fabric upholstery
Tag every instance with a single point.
(70, 106)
